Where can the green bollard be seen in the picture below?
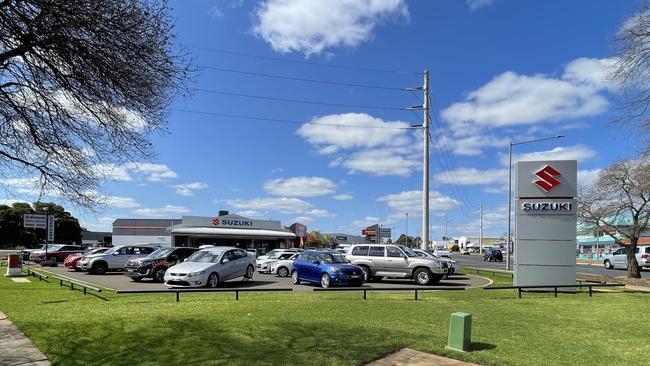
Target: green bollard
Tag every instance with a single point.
(460, 332)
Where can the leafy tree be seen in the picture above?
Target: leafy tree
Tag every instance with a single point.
(13, 234)
(83, 83)
(618, 204)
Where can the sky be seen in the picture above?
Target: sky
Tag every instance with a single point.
(339, 153)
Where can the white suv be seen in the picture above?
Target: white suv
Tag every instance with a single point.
(618, 259)
(379, 261)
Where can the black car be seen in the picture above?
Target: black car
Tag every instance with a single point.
(155, 264)
(493, 255)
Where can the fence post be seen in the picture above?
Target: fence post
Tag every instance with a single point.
(364, 294)
(519, 292)
(71, 286)
(590, 287)
(84, 290)
(555, 291)
(237, 295)
(178, 293)
(416, 294)
(60, 282)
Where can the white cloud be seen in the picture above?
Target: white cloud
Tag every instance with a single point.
(411, 202)
(577, 152)
(188, 189)
(106, 220)
(303, 219)
(514, 99)
(249, 213)
(382, 162)
(120, 202)
(9, 202)
(365, 222)
(112, 172)
(300, 187)
(472, 145)
(310, 27)
(325, 132)
(277, 170)
(163, 211)
(319, 213)
(587, 177)
(153, 172)
(477, 4)
(472, 176)
(342, 197)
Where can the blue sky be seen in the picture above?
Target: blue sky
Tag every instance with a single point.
(499, 70)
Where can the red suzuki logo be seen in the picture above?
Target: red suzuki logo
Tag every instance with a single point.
(547, 180)
(216, 222)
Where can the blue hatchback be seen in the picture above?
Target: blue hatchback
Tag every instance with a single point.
(325, 268)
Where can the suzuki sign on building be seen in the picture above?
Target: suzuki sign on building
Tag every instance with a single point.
(546, 223)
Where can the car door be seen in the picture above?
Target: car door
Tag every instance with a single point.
(396, 261)
(227, 265)
(620, 258)
(239, 258)
(377, 256)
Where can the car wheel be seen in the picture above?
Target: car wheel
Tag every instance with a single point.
(213, 280)
(325, 280)
(608, 264)
(367, 275)
(283, 272)
(159, 275)
(294, 278)
(136, 279)
(377, 278)
(422, 276)
(250, 272)
(99, 268)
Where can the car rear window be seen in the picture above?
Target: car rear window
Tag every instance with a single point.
(360, 250)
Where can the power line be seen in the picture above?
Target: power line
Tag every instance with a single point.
(336, 66)
(239, 116)
(289, 100)
(276, 76)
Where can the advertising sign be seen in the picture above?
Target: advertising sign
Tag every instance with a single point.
(50, 228)
(545, 209)
(34, 221)
(230, 221)
(384, 233)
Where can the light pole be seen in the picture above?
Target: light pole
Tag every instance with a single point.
(407, 229)
(510, 188)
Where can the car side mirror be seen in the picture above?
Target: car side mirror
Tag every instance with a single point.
(225, 260)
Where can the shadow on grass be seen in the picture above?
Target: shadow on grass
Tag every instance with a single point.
(480, 346)
(194, 341)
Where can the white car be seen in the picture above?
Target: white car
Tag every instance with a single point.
(453, 265)
(443, 252)
(283, 267)
(264, 265)
(618, 259)
(210, 267)
(265, 256)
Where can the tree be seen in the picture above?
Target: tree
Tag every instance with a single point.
(630, 73)
(13, 234)
(618, 204)
(83, 83)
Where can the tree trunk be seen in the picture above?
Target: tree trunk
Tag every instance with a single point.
(632, 264)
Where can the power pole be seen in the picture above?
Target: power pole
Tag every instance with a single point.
(425, 167)
(407, 229)
(480, 235)
(446, 227)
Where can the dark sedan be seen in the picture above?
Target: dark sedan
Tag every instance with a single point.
(493, 255)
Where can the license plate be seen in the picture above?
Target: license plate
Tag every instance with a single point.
(129, 270)
(355, 276)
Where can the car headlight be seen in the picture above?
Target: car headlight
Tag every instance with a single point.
(197, 273)
(335, 270)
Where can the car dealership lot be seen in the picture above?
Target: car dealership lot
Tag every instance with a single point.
(118, 281)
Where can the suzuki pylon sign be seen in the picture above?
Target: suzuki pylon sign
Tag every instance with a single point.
(545, 233)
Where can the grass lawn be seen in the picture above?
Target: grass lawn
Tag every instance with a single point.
(326, 328)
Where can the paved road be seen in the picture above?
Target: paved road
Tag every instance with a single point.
(475, 260)
(118, 281)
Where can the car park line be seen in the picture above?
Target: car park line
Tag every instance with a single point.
(75, 279)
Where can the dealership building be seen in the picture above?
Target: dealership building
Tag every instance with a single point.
(222, 230)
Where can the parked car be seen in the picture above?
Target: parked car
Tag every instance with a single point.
(284, 267)
(156, 264)
(326, 268)
(113, 259)
(618, 259)
(452, 265)
(25, 253)
(379, 261)
(57, 251)
(265, 256)
(72, 260)
(465, 251)
(210, 267)
(443, 252)
(264, 265)
(492, 255)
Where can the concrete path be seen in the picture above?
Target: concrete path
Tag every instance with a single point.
(407, 356)
(16, 349)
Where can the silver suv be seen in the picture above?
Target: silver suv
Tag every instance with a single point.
(618, 259)
(114, 259)
(379, 261)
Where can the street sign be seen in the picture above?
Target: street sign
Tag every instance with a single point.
(50, 228)
(34, 221)
(384, 233)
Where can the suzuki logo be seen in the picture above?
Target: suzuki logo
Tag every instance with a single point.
(216, 222)
(547, 180)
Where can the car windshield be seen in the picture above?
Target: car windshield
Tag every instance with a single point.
(274, 255)
(332, 258)
(53, 247)
(205, 256)
(408, 251)
(162, 252)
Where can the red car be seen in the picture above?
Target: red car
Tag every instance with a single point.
(58, 251)
(71, 261)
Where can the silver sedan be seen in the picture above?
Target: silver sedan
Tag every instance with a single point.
(210, 267)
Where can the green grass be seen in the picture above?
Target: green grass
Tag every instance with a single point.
(325, 328)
